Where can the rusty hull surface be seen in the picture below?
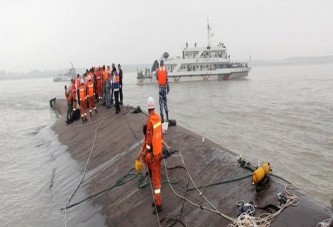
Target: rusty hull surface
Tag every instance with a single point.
(113, 157)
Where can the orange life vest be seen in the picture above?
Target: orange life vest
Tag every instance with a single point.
(77, 83)
(90, 88)
(92, 76)
(116, 78)
(82, 93)
(157, 134)
(68, 97)
(162, 76)
(98, 75)
(73, 89)
(105, 75)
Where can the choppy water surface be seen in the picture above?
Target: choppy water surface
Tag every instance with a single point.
(37, 173)
(280, 114)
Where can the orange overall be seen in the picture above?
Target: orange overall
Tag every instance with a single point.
(90, 94)
(83, 104)
(99, 83)
(153, 157)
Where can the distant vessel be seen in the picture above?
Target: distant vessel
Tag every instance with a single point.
(66, 76)
(199, 63)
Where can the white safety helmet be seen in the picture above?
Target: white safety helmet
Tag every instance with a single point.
(150, 103)
(82, 81)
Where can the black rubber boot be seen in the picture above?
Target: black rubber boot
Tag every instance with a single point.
(158, 209)
(148, 173)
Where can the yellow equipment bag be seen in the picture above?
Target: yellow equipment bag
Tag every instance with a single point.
(260, 173)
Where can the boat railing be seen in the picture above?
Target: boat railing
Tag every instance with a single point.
(146, 74)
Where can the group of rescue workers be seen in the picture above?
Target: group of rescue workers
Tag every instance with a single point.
(97, 84)
(100, 83)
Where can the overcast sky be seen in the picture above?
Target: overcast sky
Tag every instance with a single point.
(47, 34)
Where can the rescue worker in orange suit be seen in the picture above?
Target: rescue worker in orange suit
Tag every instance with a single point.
(69, 105)
(73, 94)
(83, 99)
(91, 95)
(162, 79)
(106, 85)
(99, 82)
(152, 152)
(77, 85)
(94, 70)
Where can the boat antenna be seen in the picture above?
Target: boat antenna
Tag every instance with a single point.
(209, 28)
(250, 60)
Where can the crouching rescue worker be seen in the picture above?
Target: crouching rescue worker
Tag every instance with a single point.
(151, 152)
(75, 115)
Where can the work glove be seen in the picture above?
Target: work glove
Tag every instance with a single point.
(138, 165)
(168, 88)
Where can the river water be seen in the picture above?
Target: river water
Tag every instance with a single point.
(281, 114)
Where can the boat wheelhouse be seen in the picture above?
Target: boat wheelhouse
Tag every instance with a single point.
(200, 63)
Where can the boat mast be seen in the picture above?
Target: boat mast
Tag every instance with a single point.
(208, 34)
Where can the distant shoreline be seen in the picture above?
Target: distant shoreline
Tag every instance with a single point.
(294, 61)
(131, 68)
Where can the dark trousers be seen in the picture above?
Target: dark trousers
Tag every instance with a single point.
(163, 102)
(121, 94)
(116, 97)
(69, 110)
(78, 96)
(111, 95)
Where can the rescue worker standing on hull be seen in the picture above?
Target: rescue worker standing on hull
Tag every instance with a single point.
(152, 152)
(116, 90)
(108, 88)
(83, 99)
(77, 85)
(99, 82)
(162, 79)
(73, 92)
(120, 72)
(91, 95)
(69, 103)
